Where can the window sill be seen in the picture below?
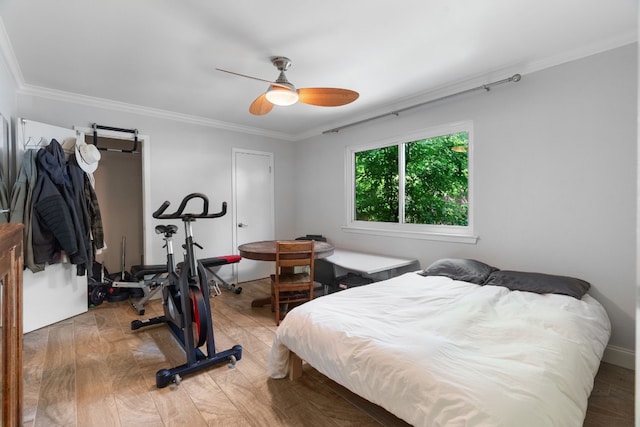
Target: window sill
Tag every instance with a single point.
(441, 237)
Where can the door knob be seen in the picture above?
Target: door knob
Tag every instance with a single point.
(242, 225)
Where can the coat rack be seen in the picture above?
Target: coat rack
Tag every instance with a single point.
(32, 143)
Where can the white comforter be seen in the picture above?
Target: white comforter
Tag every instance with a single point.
(439, 352)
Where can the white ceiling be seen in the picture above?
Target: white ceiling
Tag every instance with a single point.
(162, 54)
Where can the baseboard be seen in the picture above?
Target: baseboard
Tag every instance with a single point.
(620, 356)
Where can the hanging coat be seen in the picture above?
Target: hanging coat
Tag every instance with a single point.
(97, 231)
(77, 177)
(22, 206)
(56, 224)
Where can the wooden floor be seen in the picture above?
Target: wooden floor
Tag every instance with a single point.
(92, 370)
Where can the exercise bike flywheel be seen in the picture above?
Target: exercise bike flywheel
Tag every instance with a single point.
(199, 315)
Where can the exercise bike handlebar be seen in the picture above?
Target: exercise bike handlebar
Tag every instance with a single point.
(179, 214)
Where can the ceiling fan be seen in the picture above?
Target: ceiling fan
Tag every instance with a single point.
(283, 93)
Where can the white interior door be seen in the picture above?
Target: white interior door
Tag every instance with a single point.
(56, 293)
(253, 207)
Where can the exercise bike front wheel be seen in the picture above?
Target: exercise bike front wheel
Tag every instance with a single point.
(199, 316)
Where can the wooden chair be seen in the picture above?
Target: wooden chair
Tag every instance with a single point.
(288, 285)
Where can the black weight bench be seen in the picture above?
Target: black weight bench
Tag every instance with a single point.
(159, 275)
(219, 261)
(150, 287)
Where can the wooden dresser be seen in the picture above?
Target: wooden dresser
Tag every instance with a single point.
(11, 330)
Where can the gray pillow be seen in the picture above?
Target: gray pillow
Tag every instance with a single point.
(466, 270)
(539, 283)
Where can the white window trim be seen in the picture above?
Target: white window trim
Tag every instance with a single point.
(447, 233)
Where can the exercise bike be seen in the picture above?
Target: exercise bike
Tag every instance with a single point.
(185, 300)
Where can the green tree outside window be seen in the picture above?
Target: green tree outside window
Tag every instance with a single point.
(436, 182)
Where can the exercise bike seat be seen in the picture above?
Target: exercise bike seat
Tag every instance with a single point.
(139, 271)
(166, 229)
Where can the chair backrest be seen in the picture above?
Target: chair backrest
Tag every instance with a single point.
(290, 254)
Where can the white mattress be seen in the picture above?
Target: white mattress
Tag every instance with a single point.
(439, 352)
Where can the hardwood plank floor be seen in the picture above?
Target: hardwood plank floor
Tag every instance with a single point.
(92, 370)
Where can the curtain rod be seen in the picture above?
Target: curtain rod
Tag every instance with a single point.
(487, 87)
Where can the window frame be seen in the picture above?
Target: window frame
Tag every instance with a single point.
(449, 233)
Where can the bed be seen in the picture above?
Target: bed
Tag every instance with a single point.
(461, 345)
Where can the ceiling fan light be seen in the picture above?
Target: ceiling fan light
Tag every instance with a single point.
(281, 96)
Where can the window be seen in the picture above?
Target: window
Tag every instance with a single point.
(418, 187)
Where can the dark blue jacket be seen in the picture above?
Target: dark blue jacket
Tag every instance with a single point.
(56, 224)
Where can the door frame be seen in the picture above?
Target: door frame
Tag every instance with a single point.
(145, 152)
(234, 189)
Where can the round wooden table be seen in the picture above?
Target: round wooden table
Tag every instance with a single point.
(266, 251)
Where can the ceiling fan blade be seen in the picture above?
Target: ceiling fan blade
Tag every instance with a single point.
(260, 106)
(253, 78)
(327, 96)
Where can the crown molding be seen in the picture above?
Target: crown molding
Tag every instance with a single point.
(107, 104)
(7, 55)
(583, 52)
(462, 85)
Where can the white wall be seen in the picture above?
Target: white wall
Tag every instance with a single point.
(7, 104)
(555, 179)
(184, 158)
(7, 92)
